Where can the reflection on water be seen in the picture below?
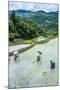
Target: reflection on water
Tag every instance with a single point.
(17, 47)
(27, 72)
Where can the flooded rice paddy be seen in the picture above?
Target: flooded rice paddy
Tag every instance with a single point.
(17, 47)
(27, 72)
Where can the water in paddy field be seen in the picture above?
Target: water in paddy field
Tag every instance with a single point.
(27, 72)
(17, 47)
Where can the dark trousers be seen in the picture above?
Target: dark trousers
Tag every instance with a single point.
(53, 66)
(38, 58)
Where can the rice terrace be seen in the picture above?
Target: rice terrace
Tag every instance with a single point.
(33, 44)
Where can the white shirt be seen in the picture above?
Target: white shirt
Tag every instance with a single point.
(38, 54)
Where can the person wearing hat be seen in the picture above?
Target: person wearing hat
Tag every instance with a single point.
(15, 55)
(38, 55)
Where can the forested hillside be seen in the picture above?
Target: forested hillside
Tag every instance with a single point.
(22, 28)
(28, 25)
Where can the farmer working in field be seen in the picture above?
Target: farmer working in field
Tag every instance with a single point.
(38, 55)
(15, 55)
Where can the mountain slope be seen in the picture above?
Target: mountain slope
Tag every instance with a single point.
(22, 28)
(46, 21)
(27, 24)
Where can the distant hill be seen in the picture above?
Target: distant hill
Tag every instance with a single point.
(22, 11)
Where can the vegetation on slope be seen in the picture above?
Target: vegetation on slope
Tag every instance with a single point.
(22, 28)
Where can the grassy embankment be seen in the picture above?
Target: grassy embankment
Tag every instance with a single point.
(22, 41)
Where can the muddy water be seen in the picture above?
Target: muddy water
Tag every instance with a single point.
(27, 72)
